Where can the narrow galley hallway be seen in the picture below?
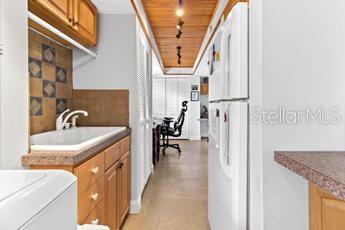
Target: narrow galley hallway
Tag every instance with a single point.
(176, 196)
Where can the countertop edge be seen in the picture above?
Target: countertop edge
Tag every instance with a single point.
(70, 158)
(325, 182)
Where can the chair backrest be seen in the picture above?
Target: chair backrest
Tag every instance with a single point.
(180, 120)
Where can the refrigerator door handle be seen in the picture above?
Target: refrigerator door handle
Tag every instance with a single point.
(224, 153)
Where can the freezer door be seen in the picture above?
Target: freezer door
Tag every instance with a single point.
(215, 68)
(233, 158)
(213, 166)
(234, 47)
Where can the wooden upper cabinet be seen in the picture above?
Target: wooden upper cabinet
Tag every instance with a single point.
(62, 9)
(77, 19)
(85, 19)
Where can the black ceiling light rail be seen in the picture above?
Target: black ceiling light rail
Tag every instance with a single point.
(179, 26)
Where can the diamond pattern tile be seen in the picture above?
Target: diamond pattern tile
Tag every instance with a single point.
(35, 68)
(61, 105)
(36, 106)
(48, 54)
(49, 89)
(61, 75)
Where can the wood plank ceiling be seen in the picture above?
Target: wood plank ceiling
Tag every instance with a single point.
(162, 17)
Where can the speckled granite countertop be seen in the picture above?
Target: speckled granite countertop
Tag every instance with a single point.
(72, 158)
(325, 169)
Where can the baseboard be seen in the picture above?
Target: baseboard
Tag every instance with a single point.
(195, 138)
(135, 206)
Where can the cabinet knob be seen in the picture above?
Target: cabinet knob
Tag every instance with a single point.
(95, 170)
(95, 222)
(74, 22)
(94, 197)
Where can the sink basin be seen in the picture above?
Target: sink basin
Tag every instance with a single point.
(77, 139)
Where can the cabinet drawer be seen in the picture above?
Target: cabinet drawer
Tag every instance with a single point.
(89, 172)
(89, 199)
(97, 215)
(125, 145)
(112, 154)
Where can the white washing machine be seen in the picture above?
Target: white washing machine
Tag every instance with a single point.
(38, 200)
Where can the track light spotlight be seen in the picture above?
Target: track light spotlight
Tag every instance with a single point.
(178, 36)
(179, 12)
(179, 24)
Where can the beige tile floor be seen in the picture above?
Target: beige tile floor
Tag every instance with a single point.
(176, 195)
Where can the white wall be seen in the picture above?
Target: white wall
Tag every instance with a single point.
(115, 68)
(303, 66)
(194, 112)
(14, 105)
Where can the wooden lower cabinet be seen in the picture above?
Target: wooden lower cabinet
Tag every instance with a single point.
(104, 185)
(326, 211)
(124, 186)
(111, 196)
(117, 192)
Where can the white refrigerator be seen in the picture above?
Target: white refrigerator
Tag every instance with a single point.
(229, 123)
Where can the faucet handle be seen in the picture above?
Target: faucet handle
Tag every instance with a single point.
(74, 121)
(59, 120)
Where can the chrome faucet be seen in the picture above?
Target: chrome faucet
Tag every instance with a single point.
(60, 122)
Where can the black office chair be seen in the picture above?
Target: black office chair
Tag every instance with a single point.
(176, 131)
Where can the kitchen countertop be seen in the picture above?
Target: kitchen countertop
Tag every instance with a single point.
(70, 158)
(325, 169)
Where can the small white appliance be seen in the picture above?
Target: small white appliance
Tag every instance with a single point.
(38, 200)
(228, 127)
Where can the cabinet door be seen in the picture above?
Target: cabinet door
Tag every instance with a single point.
(326, 212)
(85, 20)
(62, 9)
(111, 197)
(124, 175)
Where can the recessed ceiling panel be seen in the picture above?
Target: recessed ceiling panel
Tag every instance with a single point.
(162, 17)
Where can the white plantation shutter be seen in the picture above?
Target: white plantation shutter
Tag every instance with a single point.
(141, 81)
(168, 95)
(158, 97)
(148, 96)
(183, 95)
(171, 109)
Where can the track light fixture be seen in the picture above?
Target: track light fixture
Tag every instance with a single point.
(178, 36)
(180, 22)
(179, 56)
(179, 11)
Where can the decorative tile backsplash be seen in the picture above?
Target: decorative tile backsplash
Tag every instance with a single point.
(50, 73)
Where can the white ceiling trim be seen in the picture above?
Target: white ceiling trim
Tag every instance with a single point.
(179, 71)
(149, 32)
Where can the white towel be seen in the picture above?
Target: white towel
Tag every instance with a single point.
(92, 227)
